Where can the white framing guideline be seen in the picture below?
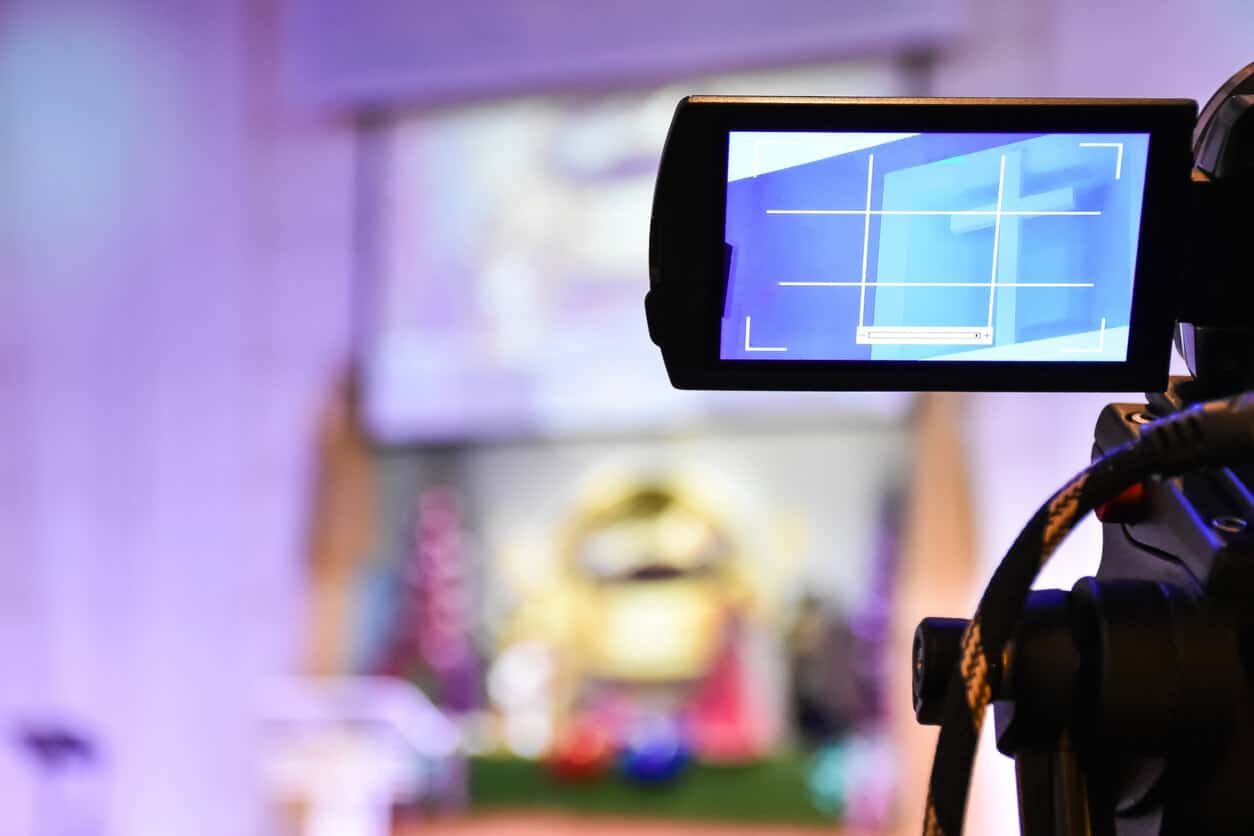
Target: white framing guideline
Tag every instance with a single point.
(915, 334)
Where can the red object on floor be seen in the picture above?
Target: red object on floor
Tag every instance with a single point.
(583, 754)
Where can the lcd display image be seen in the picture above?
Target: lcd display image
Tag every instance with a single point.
(1013, 247)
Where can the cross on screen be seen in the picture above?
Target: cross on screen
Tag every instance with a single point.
(931, 246)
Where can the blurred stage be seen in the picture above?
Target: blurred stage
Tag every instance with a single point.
(506, 824)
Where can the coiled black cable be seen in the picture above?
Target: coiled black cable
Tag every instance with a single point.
(1206, 435)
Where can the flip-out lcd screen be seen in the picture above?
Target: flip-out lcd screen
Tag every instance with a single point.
(857, 246)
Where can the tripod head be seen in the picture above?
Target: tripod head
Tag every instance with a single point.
(1126, 702)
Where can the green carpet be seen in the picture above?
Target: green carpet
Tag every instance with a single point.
(767, 791)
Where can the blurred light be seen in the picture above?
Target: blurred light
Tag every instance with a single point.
(855, 780)
(478, 730)
(520, 677)
(528, 734)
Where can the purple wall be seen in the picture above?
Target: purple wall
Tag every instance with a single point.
(174, 254)
(381, 51)
(174, 268)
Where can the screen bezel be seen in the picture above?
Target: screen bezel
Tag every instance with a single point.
(687, 260)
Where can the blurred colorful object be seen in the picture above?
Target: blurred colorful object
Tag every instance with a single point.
(584, 753)
(724, 718)
(521, 685)
(630, 600)
(434, 608)
(653, 584)
(650, 628)
(349, 749)
(655, 751)
(853, 780)
(444, 606)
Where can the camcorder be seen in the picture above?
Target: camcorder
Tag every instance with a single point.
(1018, 245)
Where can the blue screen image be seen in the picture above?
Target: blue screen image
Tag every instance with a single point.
(1015, 247)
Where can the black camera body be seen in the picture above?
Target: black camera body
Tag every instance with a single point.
(703, 252)
(969, 244)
